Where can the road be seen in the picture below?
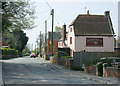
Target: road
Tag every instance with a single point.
(38, 71)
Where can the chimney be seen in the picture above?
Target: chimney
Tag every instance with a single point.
(88, 12)
(64, 32)
(107, 13)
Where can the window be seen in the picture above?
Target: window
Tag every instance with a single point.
(70, 29)
(70, 40)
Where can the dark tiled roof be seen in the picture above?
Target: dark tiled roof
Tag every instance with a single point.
(92, 25)
(56, 35)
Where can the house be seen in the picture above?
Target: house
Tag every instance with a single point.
(63, 41)
(91, 33)
(56, 38)
(3, 41)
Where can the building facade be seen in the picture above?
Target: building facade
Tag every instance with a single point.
(91, 33)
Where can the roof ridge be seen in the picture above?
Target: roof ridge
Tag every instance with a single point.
(89, 15)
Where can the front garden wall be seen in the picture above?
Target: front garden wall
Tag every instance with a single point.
(65, 62)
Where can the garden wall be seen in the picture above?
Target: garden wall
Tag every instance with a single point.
(90, 69)
(65, 62)
(112, 72)
(107, 72)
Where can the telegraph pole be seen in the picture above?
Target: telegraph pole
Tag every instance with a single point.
(45, 37)
(37, 45)
(52, 13)
(40, 43)
(35, 48)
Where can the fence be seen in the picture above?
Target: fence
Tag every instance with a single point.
(80, 58)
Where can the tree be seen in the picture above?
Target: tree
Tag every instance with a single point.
(17, 15)
(17, 39)
(57, 28)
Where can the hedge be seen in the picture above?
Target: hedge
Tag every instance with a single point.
(8, 51)
(100, 68)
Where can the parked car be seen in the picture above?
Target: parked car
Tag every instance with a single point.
(32, 55)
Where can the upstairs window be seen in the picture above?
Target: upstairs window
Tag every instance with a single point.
(70, 40)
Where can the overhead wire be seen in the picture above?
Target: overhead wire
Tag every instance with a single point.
(48, 4)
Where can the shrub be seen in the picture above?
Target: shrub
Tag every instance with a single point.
(56, 55)
(26, 54)
(8, 51)
(100, 68)
(67, 57)
(61, 53)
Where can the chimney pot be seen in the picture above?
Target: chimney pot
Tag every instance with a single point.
(107, 13)
(88, 12)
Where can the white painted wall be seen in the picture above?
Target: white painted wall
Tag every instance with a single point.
(71, 34)
(60, 44)
(80, 44)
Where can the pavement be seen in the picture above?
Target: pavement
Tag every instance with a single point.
(102, 80)
(39, 71)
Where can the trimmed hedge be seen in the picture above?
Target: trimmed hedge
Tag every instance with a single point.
(8, 51)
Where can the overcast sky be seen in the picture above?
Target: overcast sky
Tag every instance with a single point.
(66, 11)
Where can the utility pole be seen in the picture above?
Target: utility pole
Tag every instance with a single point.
(35, 48)
(45, 38)
(40, 43)
(52, 13)
(37, 45)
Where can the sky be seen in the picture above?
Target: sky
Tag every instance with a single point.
(65, 11)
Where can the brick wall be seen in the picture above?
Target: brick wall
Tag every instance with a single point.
(112, 72)
(65, 62)
(55, 47)
(90, 69)
(107, 72)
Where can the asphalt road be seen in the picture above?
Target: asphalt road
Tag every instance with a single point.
(38, 71)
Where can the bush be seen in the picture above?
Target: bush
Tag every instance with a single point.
(26, 54)
(8, 51)
(67, 57)
(100, 68)
(56, 55)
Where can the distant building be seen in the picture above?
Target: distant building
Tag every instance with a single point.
(91, 33)
(56, 38)
(4, 41)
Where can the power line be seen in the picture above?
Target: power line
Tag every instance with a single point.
(48, 4)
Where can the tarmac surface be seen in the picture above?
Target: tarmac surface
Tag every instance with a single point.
(27, 70)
